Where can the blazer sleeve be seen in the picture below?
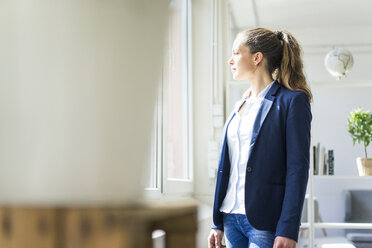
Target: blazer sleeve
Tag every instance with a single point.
(298, 124)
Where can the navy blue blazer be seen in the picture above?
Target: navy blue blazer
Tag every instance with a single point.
(278, 165)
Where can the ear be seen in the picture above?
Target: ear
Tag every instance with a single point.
(257, 58)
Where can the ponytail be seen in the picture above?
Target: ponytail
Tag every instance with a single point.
(282, 54)
(290, 73)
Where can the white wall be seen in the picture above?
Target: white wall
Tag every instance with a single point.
(202, 109)
(330, 111)
(73, 77)
(318, 41)
(202, 95)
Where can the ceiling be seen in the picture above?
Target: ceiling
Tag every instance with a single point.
(314, 22)
(300, 13)
(318, 25)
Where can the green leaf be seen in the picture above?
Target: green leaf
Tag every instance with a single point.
(360, 126)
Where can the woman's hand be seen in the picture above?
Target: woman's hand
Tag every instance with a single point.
(215, 238)
(283, 242)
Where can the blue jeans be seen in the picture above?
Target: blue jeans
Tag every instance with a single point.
(239, 233)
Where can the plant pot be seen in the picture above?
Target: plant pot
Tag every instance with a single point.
(364, 166)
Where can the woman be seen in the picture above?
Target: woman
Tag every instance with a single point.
(264, 160)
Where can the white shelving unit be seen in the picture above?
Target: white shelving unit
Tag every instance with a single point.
(312, 225)
(342, 177)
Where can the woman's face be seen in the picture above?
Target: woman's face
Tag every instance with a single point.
(241, 61)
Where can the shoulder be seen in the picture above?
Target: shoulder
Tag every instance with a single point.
(293, 101)
(291, 95)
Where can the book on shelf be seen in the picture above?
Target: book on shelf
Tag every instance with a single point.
(322, 160)
(330, 161)
(316, 159)
(326, 165)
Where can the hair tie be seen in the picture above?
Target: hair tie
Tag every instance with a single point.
(279, 34)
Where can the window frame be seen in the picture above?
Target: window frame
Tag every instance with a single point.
(172, 186)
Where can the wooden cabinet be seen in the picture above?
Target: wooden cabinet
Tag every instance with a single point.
(98, 227)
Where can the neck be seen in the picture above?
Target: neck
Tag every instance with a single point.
(260, 82)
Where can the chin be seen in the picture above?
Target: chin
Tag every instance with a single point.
(237, 78)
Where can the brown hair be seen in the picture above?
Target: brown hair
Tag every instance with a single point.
(283, 56)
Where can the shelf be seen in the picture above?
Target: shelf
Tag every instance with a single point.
(342, 177)
(304, 225)
(321, 179)
(339, 225)
(342, 225)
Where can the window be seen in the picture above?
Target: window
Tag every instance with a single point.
(170, 165)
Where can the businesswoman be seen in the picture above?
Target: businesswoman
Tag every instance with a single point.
(264, 160)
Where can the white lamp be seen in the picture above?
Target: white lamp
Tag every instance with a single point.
(338, 62)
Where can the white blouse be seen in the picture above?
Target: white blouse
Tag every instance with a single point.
(239, 134)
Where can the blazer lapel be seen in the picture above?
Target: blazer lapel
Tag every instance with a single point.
(224, 132)
(232, 114)
(263, 111)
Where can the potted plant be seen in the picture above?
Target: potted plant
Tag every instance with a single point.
(360, 128)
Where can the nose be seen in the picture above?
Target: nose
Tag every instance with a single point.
(230, 61)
